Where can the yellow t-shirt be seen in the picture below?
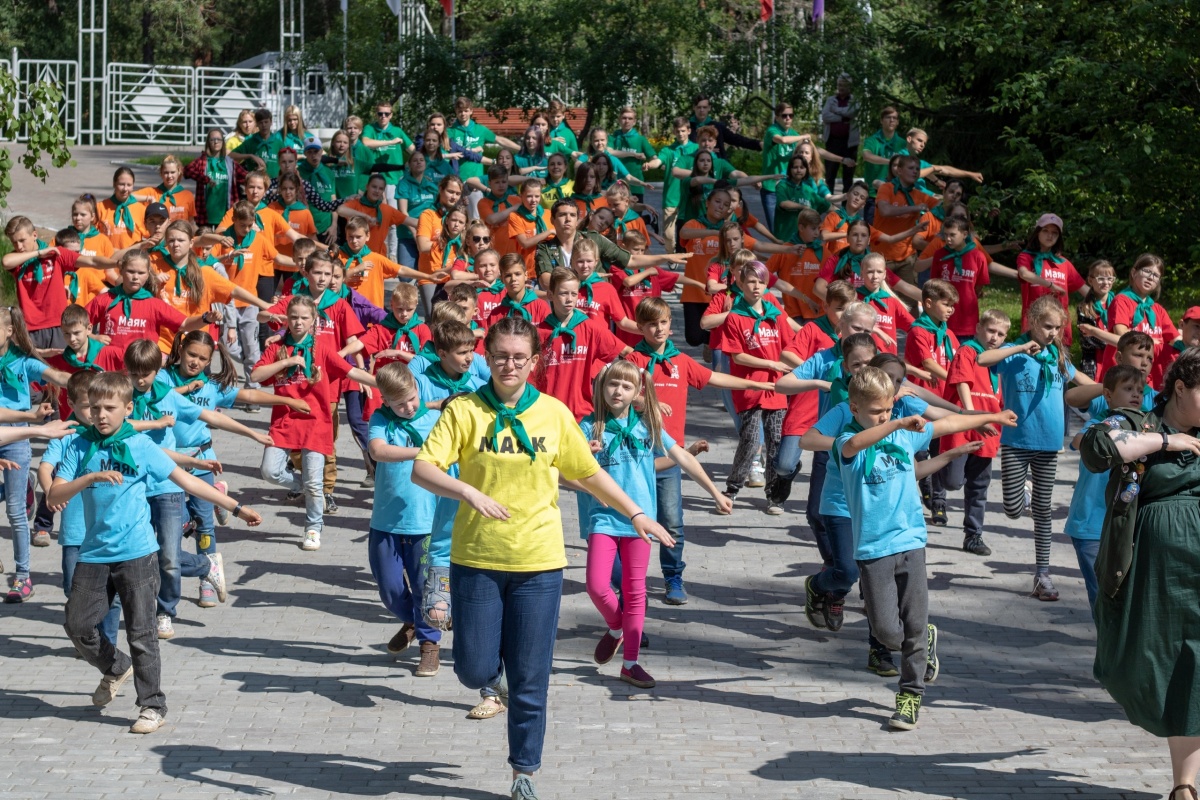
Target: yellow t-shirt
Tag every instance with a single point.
(531, 539)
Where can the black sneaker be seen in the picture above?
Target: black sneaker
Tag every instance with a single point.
(908, 707)
(832, 609)
(927, 500)
(814, 604)
(880, 662)
(294, 496)
(974, 544)
(939, 517)
(331, 506)
(932, 665)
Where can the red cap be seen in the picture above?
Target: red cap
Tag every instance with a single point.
(1192, 313)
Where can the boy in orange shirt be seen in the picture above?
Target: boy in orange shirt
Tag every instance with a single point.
(497, 205)
(366, 270)
(798, 273)
(529, 225)
(898, 205)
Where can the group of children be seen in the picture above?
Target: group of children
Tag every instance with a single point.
(879, 362)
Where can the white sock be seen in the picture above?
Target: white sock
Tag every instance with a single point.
(615, 634)
(629, 664)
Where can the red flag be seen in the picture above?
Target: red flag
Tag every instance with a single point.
(448, 7)
(768, 9)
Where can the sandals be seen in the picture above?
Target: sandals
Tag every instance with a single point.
(487, 709)
(1189, 788)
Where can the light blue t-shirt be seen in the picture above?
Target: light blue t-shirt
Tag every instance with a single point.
(186, 413)
(116, 517)
(633, 470)
(1041, 416)
(28, 370)
(430, 392)
(833, 496)
(1098, 408)
(70, 526)
(401, 507)
(815, 369)
(190, 435)
(885, 506)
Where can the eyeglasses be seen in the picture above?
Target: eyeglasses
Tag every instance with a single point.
(480, 239)
(497, 360)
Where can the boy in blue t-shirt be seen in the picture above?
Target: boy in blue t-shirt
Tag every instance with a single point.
(112, 468)
(875, 455)
(402, 516)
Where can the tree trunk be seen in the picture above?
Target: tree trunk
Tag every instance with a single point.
(147, 41)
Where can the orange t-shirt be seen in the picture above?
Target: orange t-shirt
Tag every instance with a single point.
(370, 285)
(636, 224)
(898, 251)
(801, 271)
(258, 262)
(271, 224)
(90, 282)
(518, 225)
(833, 223)
(183, 208)
(585, 207)
(301, 221)
(96, 245)
(702, 250)
(217, 289)
(501, 242)
(118, 232)
(429, 225)
(388, 216)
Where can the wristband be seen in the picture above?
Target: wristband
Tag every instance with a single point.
(638, 514)
(237, 510)
(1166, 441)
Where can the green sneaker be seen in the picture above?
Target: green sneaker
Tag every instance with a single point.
(908, 706)
(814, 604)
(932, 665)
(880, 662)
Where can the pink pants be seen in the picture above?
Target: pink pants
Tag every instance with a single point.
(635, 556)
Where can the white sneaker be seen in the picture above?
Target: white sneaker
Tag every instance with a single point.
(774, 509)
(166, 629)
(757, 477)
(148, 721)
(312, 540)
(216, 575)
(109, 686)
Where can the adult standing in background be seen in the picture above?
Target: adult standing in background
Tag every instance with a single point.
(702, 116)
(389, 145)
(840, 132)
(218, 180)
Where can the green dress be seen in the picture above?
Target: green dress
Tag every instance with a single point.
(1148, 610)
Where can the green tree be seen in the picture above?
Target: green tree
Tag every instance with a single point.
(38, 120)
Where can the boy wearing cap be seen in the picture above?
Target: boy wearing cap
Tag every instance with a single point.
(320, 178)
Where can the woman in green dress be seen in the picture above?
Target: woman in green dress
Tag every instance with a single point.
(1148, 609)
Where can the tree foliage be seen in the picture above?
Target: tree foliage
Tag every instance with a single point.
(38, 120)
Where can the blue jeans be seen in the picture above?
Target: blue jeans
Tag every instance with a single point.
(669, 488)
(202, 512)
(406, 252)
(174, 564)
(816, 482)
(506, 623)
(112, 621)
(787, 466)
(16, 482)
(838, 579)
(277, 470)
(393, 556)
(354, 414)
(1086, 551)
(768, 203)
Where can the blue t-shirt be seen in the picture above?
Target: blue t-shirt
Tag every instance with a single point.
(430, 392)
(815, 369)
(633, 470)
(1098, 408)
(190, 434)
(116, 517)
(186, 413)
(1085, 519)
(27, 370)
(885, 506)
(1041, 416)
(401, 506)
(71, 527)
(833, 496)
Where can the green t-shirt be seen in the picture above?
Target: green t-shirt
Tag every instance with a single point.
(670, 156)
(884, 148)
(692, 210)
(364, 157)
(635, 143)
(420, 195)
(469, 137)
(267, 149)
(524, 162)
(324, 181)
(561, 131)
(775, 156)
(808, 193)
(441, 167)
(391, 153)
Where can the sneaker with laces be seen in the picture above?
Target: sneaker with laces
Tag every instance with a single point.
(758, 478)
(880, 662)
(932, 665)
(938, 516)
(831, 609)
(636, 676)
(110, 686)
(312, 540)
(607, 647)
(908, 707)
(221, 513)
(40, 539)
(1043, 587)
(208, 595)
(166, 627)
(814, 604)
(431, 660)
(774, 509)
(21, 590)
(675, 595)
(331, 506)
(216, 575)
(975, 544)
(403, 638)
(522, 789)
(148, 721)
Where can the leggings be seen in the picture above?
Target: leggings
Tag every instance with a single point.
(1016, 464)
(692, 332)
(629, 615)
(771, 422)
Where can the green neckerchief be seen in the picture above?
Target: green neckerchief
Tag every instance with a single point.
(119, 295)
(897, 186)
(520, 307)
(1143, 310)
(623, 434)
(622, 225)
(376, 204)
(34, 263)
(587, 199)
(207, 261)
(499, 203)
(845, 219)
(1100, 308)
(121, 213)
(957, 256)
(327, 300)
(726, 278)
(827, 328)
(889, 149)
(587, 283)
(567, 328)
(887, 448)
(300, 286)
(510, 417)
(178, 380)
(1047, 357)
(457, 244)
(88, 234)
(496, 288)
(166, 195)
(556, 189)
(9, 376)
(1179, 346)
(1040, 259)
(180, 270)
(89, 359)
(854, 260)
(114, 441)
(405, 331)
(247, 240)
(395, 421)
(743, 309)
(290, 207)
(429, 352)
(839, 384)
(535, 217)
(354, 258)
(940, 333)
(438, 376)
(342, 293)
(817, 245)
(656, 358)
(878, 298)
(304, 348)
(978, 348)
(145, 404)
(938, 212)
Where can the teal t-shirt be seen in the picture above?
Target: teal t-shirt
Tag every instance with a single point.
(70, 526)
(884, 148)
(632, 469)
(524, 162)
(193, 436)
(471, 136)
(401, 507)
(267, 149)
(421, 195)
(389, 153)
(569, 144)
(1039, 409)
(25, 370)
(808, 193)
(775, 156)
(186, 413)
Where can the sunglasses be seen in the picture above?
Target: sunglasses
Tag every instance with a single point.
(480, 239)
(383, 113)
(786, 116)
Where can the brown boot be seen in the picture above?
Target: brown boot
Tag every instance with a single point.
(431, 660)
(402, 639)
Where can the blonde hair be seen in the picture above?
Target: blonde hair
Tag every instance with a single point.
(396, 380)
(446, 311)
(618, 191)
(300, 127)
(995, 315)
(170, 159)
(407, 293)
(870, 384)
(585, 245)
(651, 413)
(1043, 307)
(860, 310)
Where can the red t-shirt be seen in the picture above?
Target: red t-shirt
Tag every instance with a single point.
(485, 304)
(1063, 275)
(973, 277)
(378, 339)
(538, 310)
(568, 366)
(145, 318)
(803, 408)
(335, 327)
(43, 302)
(720, 304)
(1163, 332)
(109, 359)
(671, 384)
(965, 369)
(654, 286)
(829, 274)
(604, 306)
(768, 343)
(893, 314)
(292, 430)
(922, 345)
